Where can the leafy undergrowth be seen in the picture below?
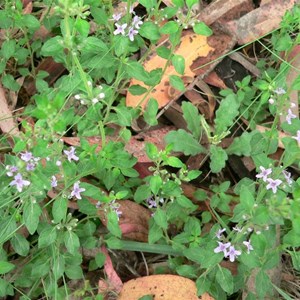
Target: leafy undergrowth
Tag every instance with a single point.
(149, 150)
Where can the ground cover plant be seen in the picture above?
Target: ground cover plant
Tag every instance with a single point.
(149, 140)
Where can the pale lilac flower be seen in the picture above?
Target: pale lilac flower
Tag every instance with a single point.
(131, 33)
(30, 166)
(288, 177)
(136, 22)
(248, 245)
(264, 173)
(98, 204)
(280, 91)
(297, 137)
(77, 97)
(11, 170)
(71, 154)
(115, 207)
(53, 181)
(232, 253)
(95, 100)
(151, 202)
(222, 248)
(77, 190)
(101, 95)
(120, 29)
(19, 182)
(117, 17)
(26, 156)
(219, 232)
(290, 116)
(273, 184)
(58, 163)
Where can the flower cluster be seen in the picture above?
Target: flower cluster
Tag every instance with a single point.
(98, 95)
(112, 206)
(132, 28)
(228, 249)
(273, 184)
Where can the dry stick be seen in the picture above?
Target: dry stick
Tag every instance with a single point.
(245, 63)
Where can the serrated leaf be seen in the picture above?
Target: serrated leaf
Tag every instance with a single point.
(71, 242)
(225, 279)
(184, 142)
(151, 112)
(177, 82)
(241, 145)
(160, 218)
(192, 118)
(218, 158)
(226, 113)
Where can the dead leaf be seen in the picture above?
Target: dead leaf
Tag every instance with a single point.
(162, 287)
(133, 221)
(7, 122)
(259, 21)
(191, 47)
(113, 282)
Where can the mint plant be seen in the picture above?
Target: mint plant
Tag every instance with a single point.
(61, 192)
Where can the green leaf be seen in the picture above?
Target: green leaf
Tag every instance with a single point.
(100, 259)
(191, 3)
(121, 44)
(160, 218)
(174, 162)
(184, 142)
(246, 198)
(71, 241)
(178, 62)
(136, 90)
(31, 22)
(177, 82)
(155, 184)
(142, 193)
(226, 113)
(169, 27)
(241, 145)
(262, 284)
(186, 202)
(82, 26)
(178, 3)
(47, 237)
(52, 46)
(152, 151)
(135, 70)
(74, 272)
(31, 216)
(146, 297)
(225, 279)
(151, 112)
(155, 232)
(20, 244)
(192, 118)
(99, 15)
(10, 83)
(113, 224)
(8, 49)
(59, 209)
(202, 29)
(6, 267)
(148, 3)
(218, 158)
(163, 52)
(150, 31)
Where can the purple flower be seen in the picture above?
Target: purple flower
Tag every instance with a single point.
(19, 182)
(297, 137)
(273, 184)
(237, 229)
(115, 207)
(120, 29)
(151, 202)
(136, 22)
(232, 253)
(77, 190)
(222, 248)
(264, 173)
(219, 232)
(71, 154)
(26, 156)
(287, 175)
(248, 245)
(53, 181)
(290, 116)
(11, 170)
(117, 17)
(30, 166)
(131, 33)
(280, 91)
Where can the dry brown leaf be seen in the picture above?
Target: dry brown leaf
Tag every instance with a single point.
(7, 122)
(113, 282)
(162, 287)
(259, 21)
(191, 47)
